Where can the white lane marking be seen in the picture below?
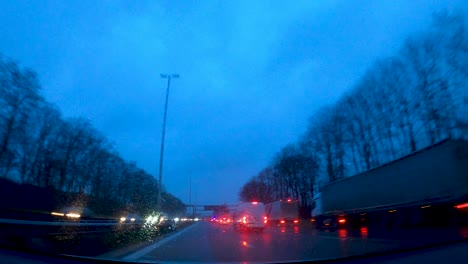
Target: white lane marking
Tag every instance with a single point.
(140, 253)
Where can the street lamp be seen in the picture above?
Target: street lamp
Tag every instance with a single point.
(168, 77)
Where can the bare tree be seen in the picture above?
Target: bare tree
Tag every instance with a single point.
(18, 97)
(401, 103)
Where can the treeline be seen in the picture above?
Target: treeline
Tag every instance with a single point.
(401, 104)
(38, 146)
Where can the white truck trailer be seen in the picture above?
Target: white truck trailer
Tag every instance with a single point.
(283, 212)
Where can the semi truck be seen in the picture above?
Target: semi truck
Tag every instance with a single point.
(426, 188)
(283, 212)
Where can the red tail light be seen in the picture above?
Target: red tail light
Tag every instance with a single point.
(342, 221)
(296, 221)
(244, 220)
(461, 206)
(265, 219)
(364, 231)
(282, 222)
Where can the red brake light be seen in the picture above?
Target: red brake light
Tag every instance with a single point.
(364, 231)
(342, 221)
(254, 202)
(282, 221)
(244, 220)
(461, 206)
(289, 200)
(296, 221)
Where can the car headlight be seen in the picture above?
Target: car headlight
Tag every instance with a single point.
(73, 215)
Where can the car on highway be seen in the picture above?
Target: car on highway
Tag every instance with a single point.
(162, 222)
(167, 224)
(224, 220)
(131, 218)
(250, 217)
(72, 213)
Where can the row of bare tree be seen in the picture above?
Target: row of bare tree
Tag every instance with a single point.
(40, 147)
(401, 104)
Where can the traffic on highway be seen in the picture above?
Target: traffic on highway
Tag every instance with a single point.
(234, 131)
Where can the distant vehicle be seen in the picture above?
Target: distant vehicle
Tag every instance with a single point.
(429, 187)
(73, 213)
(167, 224)
(284, 212)
(224, 220)
(131, 218)
(162, 222)
(250, 216)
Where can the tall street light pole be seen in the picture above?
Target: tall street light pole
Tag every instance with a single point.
(161, 155)
(190, 193)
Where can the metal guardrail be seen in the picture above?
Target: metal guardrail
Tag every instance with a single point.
(31, 228)
(64, 223)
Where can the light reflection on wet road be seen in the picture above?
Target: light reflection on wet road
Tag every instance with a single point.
(207, 242)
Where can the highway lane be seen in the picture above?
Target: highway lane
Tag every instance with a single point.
(208, 242)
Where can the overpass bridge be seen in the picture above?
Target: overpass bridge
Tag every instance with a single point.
(209, 210)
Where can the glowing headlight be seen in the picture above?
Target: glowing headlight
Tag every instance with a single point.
(122, 219)
(176, 219)
(57, 214)
(73, 215)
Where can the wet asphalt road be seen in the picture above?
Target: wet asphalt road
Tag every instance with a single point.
(209, 242)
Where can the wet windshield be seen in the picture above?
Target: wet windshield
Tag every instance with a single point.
(232, 131)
